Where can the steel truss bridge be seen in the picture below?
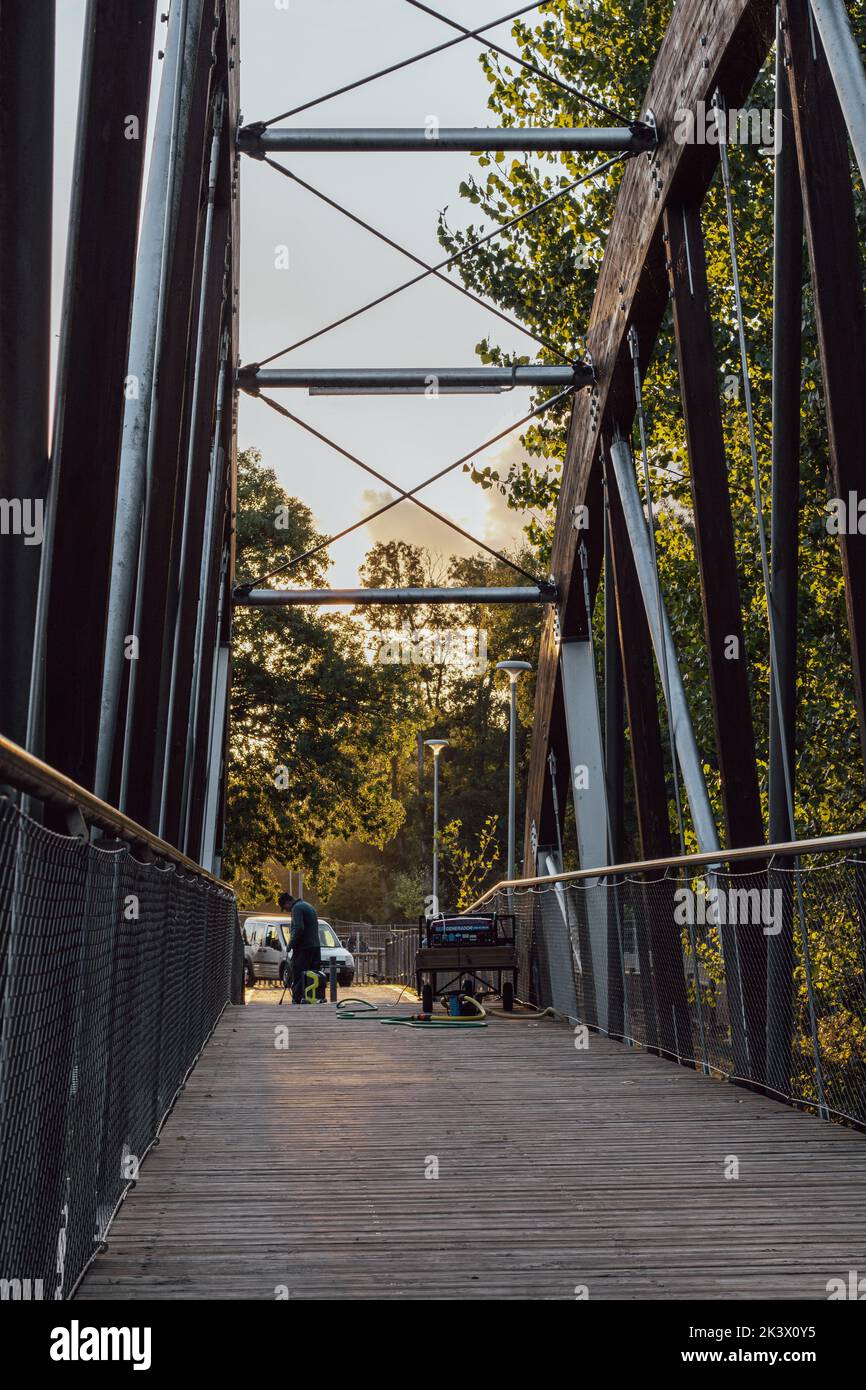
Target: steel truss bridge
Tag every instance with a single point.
(121, 953)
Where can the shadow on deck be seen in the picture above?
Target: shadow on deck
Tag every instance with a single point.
(301, 1173)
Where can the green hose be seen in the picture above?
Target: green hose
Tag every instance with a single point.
(370, 1012)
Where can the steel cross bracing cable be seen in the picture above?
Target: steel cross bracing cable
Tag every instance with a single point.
(719, 104)
(427, 270)
(404, 494)
(410, 255)
(523, 63)
(462, 37)
(450, 260)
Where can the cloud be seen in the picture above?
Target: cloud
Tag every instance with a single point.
(488, 516)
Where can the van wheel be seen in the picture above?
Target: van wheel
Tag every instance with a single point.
(249, 977)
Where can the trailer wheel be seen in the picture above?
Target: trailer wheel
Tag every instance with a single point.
(508, 997)
(427, 999)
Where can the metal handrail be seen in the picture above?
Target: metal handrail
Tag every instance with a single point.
(822, 844)
(28, 774)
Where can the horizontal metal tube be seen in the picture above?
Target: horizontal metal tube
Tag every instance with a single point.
(260, 141)
(785, 849)
(425, 380)
(21, 770)
(292, 598)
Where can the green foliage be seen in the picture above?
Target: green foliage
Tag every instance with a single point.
(464, 701)
(468, 861)
(311, 734)
(359, 894)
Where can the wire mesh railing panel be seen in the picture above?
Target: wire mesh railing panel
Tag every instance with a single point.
(113, 973)
(758, 975)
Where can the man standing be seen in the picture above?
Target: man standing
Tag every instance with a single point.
(304, 942)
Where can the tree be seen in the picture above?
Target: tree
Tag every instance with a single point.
(468, 864)
(311, 734)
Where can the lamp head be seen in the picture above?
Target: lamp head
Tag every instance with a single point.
(514, 669)
(436, 745)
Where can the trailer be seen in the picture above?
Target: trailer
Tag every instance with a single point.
(461, 957)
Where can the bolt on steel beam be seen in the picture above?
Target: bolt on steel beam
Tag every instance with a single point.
(294, 598)
(258, 140)
(411, 380)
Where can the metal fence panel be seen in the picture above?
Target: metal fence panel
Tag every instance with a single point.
(113, 974)
(673, 962)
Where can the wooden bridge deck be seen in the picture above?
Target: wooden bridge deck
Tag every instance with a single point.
(301, 1174)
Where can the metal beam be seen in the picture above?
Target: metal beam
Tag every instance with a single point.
(26, 138)
(589, 798)
(714, 527)
(146, 731)
(294, 598)
(834, 253)
(258, 140)
(784, 554)
(194, 487)
(88, 416)
(158, 227)
(614, 709)
(428, 381)
(663, 643)
(655, 932)
(846, 66)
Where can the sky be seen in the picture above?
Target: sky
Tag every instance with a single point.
(293, 51)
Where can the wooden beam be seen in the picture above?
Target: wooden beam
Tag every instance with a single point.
(834, 253)
(709, 43)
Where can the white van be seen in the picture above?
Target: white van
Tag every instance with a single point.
(267, 957)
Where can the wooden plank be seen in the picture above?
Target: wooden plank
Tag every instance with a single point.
(300, 1173)
(709, 43)
(837, 280)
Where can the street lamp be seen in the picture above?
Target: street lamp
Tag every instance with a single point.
(436, 745)
(514, 670)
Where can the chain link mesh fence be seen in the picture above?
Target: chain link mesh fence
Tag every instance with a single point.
(383, 954)
(113, 976)
(758, 975)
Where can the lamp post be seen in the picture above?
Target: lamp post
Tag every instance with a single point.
(514, 670)
(436, 745)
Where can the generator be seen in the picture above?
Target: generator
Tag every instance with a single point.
(460, 957)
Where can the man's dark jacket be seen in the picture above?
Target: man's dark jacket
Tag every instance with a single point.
(304, 943)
